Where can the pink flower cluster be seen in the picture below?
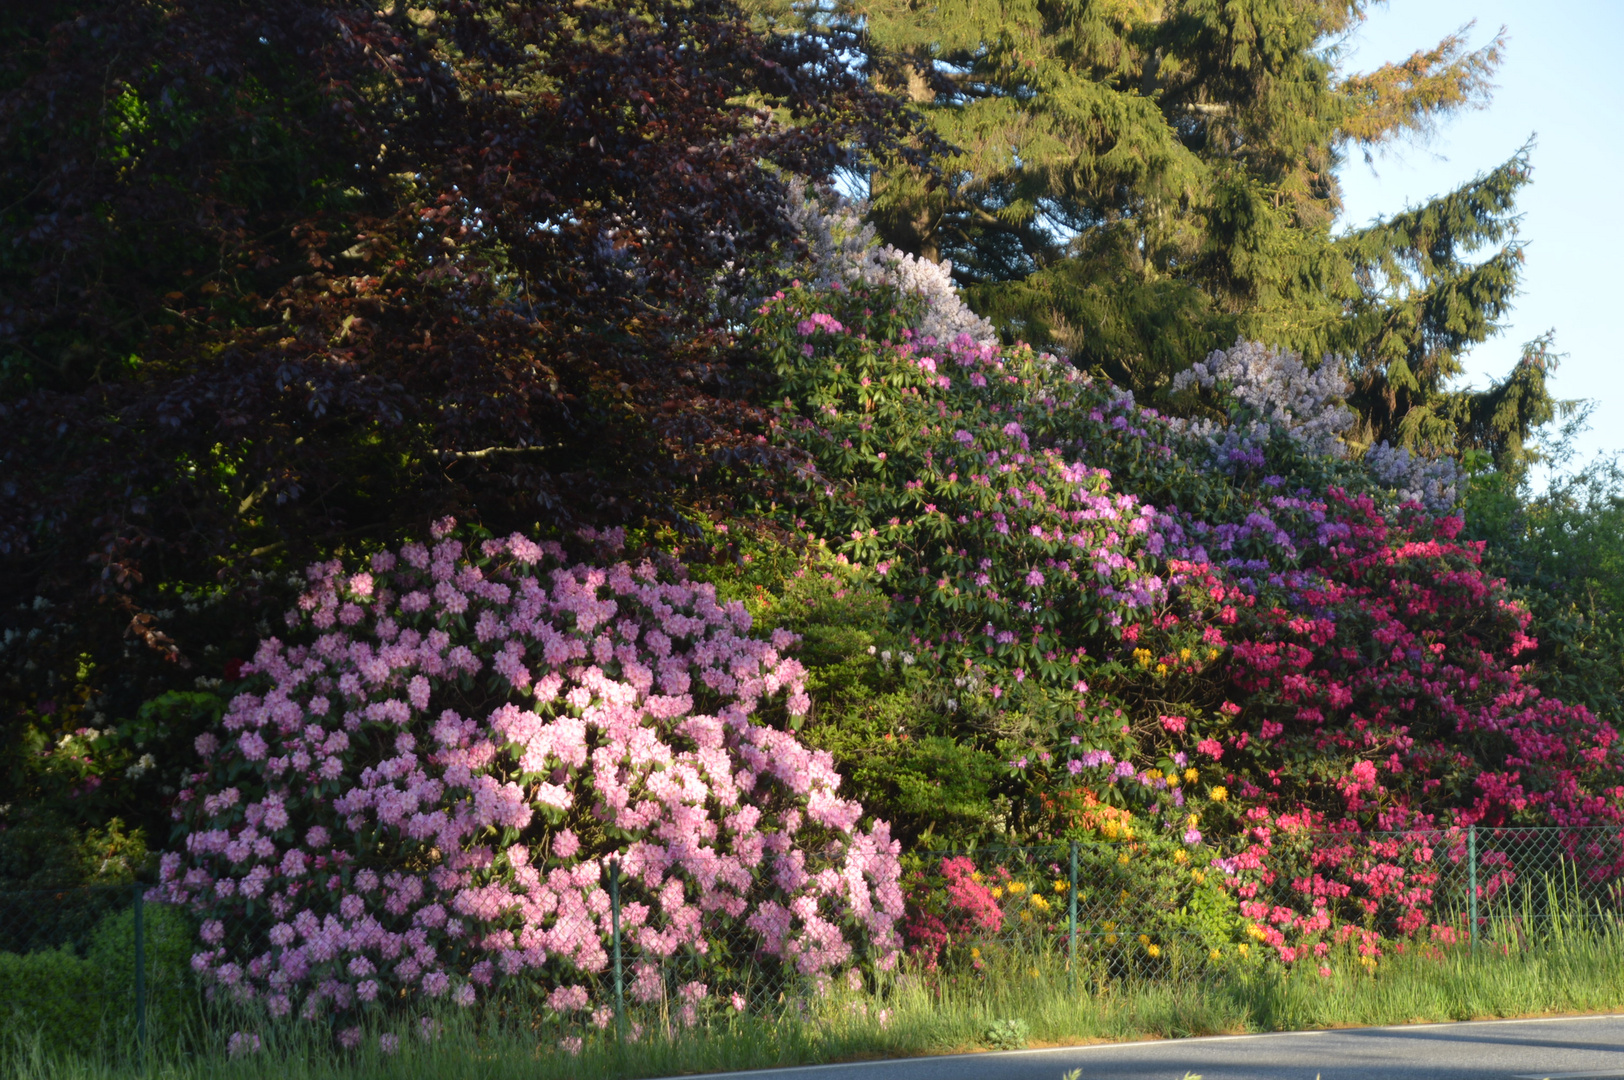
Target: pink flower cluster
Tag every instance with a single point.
(423, 795)
(965, 909)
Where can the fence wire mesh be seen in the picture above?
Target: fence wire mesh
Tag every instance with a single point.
(1148, 910)
(67, 967)
(105, 970)
(1085, 913)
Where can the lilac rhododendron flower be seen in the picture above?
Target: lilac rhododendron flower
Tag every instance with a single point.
(405, 794)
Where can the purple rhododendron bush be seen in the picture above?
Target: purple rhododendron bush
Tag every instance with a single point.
(420, 794)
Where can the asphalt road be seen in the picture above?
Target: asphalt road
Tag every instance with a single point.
(1568, 1048)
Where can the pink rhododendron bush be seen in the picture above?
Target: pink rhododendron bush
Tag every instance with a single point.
(421, 795)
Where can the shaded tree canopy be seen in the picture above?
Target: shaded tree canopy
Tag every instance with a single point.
(279, 282)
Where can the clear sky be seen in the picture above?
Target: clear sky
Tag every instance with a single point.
(1560, 81)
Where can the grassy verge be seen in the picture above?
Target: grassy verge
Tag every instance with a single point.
(1568, 968)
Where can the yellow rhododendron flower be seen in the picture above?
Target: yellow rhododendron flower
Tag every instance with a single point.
(1153, 950)
(1161, 669)
(1016, 888)
(1110, 939)
(997, 892)
(1243, 948)
(1061, 886)
(1191, 776)
(1215, 954)
(1181, 857)
(1144, 939)
(1200, 876)
(1219, 793)
(1184, 654)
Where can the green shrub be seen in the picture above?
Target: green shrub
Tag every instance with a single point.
(1562, 550)
(168, 943)
(889, 724)
(53, 996)
(1007, 1034)
(81, 1005)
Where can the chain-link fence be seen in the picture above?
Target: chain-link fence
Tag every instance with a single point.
(1165, 908)
(1085, 913)
(105, 970)
(74, 968)
(634, 982)
(654, 989)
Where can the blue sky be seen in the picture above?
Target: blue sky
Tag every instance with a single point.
(1559, 81)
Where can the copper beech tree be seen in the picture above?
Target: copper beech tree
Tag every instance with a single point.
(276, 282)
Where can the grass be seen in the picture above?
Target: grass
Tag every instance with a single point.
(1569, 966)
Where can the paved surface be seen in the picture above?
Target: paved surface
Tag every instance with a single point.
(1569, 1048)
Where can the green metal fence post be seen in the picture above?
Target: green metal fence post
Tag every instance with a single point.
(1471, 881)
(614, 925)
(1071, 945)
(140, 982)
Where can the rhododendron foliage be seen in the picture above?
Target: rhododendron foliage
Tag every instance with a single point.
(421, 794)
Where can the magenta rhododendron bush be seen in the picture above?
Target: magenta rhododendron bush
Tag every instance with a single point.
(1388, 686)
(421, 798)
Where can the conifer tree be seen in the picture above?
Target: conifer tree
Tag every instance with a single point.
(1140, 181)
